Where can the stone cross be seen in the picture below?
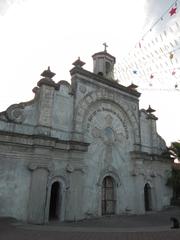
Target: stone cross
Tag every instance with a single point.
(105, 47)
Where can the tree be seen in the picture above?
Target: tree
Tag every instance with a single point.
(174, 179)
(174, 182)
(174, 150)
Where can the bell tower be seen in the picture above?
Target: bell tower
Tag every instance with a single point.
(103, 63)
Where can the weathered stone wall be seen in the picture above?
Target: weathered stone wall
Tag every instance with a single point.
(151, 142)
(63, 112)
(14, 181)
(77, 135)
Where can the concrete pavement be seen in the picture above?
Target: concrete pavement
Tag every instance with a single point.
(151, 226)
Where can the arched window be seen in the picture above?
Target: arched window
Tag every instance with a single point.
(108, 196)
(108, 67)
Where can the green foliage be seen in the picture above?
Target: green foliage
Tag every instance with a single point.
(174, 150)
(174, 180)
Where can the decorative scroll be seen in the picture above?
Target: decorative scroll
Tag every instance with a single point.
(15, 113)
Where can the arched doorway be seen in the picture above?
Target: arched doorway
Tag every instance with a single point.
(55, 202)
(108, 196)
(147, 197)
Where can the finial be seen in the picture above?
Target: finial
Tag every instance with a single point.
(47, 73)
(150, 110)
(132, 86)
(105, 47)
(78, 63)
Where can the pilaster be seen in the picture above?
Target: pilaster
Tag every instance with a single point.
(38, 191)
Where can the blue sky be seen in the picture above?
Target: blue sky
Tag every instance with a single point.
(39, 33)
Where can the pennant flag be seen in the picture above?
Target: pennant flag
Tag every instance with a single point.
(171, 55)
(151, 76)
(172, 11)
(177, 25)
(170, 29)
(176, 42)
(161, 37)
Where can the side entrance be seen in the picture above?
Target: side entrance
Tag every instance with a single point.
(108, 196)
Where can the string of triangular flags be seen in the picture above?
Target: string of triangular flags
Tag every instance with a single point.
(158, 58)
(171, 11)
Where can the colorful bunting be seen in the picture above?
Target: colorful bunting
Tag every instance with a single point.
(157, 58)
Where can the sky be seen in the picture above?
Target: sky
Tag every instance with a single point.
(36, 34)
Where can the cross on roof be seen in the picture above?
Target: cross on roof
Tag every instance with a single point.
(105, 47)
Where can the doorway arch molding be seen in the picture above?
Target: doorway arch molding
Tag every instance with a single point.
(112, 172)
(58, 178)
(149, 182)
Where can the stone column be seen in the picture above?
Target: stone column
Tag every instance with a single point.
(138, 179)
(45, 106)
(76, 195)
(38, 191)
(158, 192)
(138, 193)
(47, 88)
(152, 124)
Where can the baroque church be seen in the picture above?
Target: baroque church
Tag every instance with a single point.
(81, 150)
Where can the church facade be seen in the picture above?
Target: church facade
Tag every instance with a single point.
(81, 150)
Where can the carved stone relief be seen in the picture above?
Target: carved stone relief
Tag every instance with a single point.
(108, 127)
(140, 169)
(82, 89)
(104, 95)
(15, 113)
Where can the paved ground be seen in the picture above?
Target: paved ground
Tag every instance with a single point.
(152, 226)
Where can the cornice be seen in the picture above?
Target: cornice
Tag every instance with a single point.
(138, 155)
(25, 140)
(103, 80)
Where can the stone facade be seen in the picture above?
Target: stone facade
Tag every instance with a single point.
(81, 150)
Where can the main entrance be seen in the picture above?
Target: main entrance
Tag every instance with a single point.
(108, 196)
(55, 202)
(147, 197)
